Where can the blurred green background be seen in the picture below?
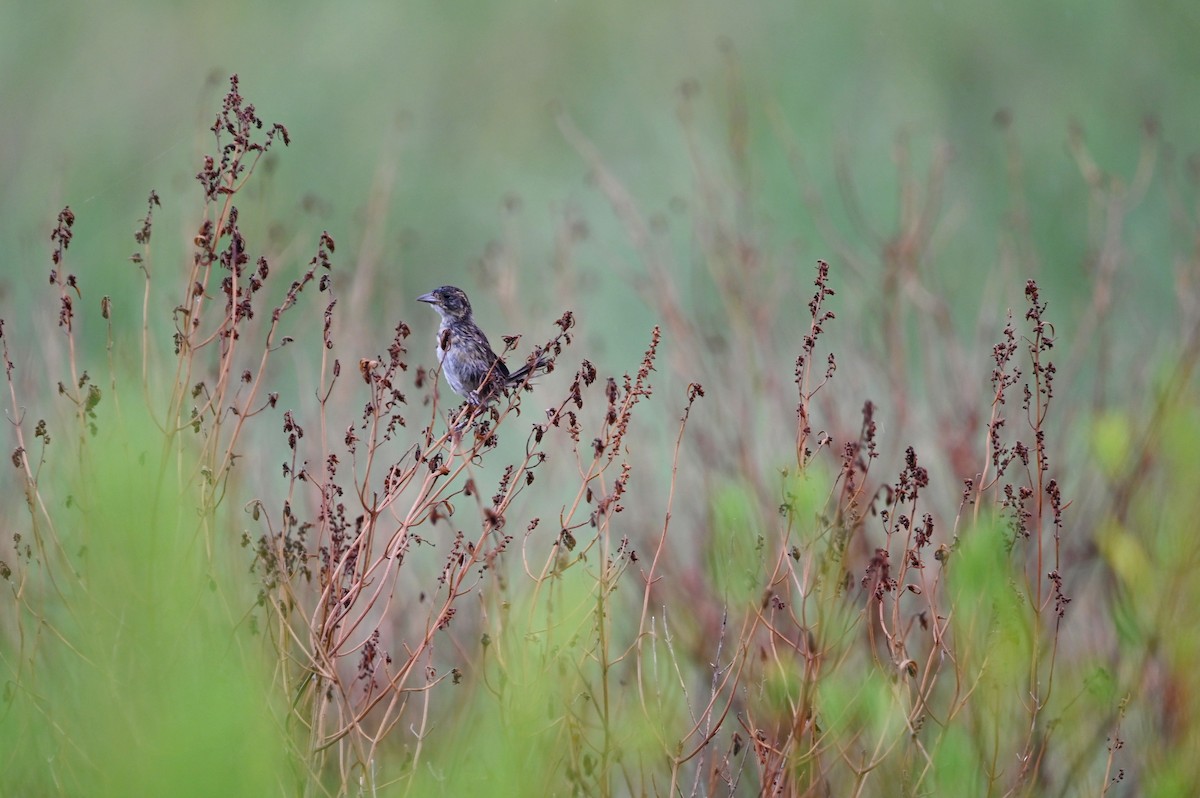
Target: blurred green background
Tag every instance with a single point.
(425, 132)
(104, 102)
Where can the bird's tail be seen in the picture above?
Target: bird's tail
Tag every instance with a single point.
(537, 364)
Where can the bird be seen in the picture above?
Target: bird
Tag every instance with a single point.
(471, 368)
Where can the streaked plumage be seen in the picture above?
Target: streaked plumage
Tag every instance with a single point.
(471, 368)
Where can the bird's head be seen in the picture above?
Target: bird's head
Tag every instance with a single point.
(451, 303)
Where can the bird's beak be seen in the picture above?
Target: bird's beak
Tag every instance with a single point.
(427, 298)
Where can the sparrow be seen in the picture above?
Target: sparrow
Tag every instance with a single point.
(471, 368)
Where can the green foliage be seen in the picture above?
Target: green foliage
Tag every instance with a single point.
(858, 707)
(1111, 442)
(805, 495)
(992, 619)
(736, 551)
(956, 767)
(539, 714)
(135, 674)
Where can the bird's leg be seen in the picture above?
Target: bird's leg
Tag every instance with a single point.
(474, 406)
